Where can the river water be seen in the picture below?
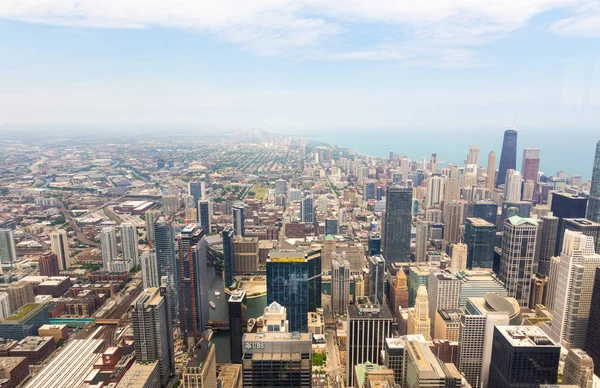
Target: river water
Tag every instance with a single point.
(256, 308)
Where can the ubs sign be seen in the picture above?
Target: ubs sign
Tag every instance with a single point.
(255, 345)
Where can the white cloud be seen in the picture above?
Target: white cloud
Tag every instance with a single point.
(274, 26)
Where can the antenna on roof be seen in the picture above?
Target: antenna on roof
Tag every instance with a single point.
(515, 122)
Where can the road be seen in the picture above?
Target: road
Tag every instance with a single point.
(334, 369)
(80, 236)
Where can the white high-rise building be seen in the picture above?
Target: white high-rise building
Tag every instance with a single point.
(149, 264)
(4, 306)
(473, 155)
(422, 240)
(443, 293)
(151, 217)
(512, 189)
(108, 245)
(59, 244)
(340, 285)
(8, 250)
(129, 243)
(418, 318)
(573, 292)
(435, 191)
(459, 257)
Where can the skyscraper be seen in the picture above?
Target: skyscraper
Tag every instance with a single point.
(195, 190)
(545, 244)
(369, 190)
(377, 278)
(294, 281)
(108, 245)
(228, 235)
(238, 219)
(394, 355)
(523, 357)
(340, 285)
(152, 331)
(48, 264)
(151, 217)
(565, 205)
(454, 217)
(129, 242)
(435, 191)
(512, 187)
(397, 224)
(587, 227)
(59, 244)
(374, 244)
(473, 155)
(8, 250)
(422, 240)
(592, 339)
(205, 214)
(459, 257)
(170, 204)
(508, 157)
(486, 209)
(369, 325)
(531, 164)
(307, 209)
(443, 293)
(238, 319)
(593, 211)
(418, 317)
(164, 245)
(518, 251)
(573, 293)
(281, 187)
(149, 265)
(193, 281)
(480, 236)
(491, 171)
(579, 369)
(424, 369)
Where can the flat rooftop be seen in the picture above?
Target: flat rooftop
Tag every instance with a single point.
(479, 221)
(526, 336)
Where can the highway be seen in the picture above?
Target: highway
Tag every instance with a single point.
(80, 236)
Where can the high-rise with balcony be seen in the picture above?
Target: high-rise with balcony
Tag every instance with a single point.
(397, 224)
(593, 211)
(508, 157)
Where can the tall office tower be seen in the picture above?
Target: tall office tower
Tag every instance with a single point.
(473, 155)
(277, 360)
(238, 319)
(294, 281)
(476, 331)
(201, 368)
(579, 369)
(518, 250)
(459, 257)
(195, 190)
(592, 339)
(228, 235)
(374, 244)
(491, 171)
(152, 332)
(331, 226)
(508, 157)
(552, 281)
(424, 369)
(59, 244)
(369, 324)
(151, 217)
(531, 164)
(422, 240)
(238, 219)
(573, 293)
(545, 244)
(528, 191)
(340, 285)
(486, 209)
(369, 189)
(454, 216)
(193, 281)
(8, 250)
(170, 204)
(150, 277)
(512, 188)
(435, 191)
(129, 242)
(418, 318)
(108, 245)
(433, 164)
(587, 227)
(564, 205)
(394, 355)
(205, 214)
(281, 187)
(376, 278)
(307, 209)
(443, 293)
(593, 211)
(523, 357)
(480, 237)
(452, 190)
(48, 264)
(397, 224)
(275, 319)
(164, 245)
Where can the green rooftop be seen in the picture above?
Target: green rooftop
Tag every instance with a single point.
(329, 238)
(361, 370)
(22, 312)
(516, 220)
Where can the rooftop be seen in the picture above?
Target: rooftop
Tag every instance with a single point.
(22, 312)
(516, 220)
(237, 296)
(479, 222)
(526, 336)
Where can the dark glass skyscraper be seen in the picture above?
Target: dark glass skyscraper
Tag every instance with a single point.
(397, 224)
(593, 211)
(479, 237)
(374, 244)
(545, 243)
(294, 281)
(164, 241)
(508, 157)
(566, 205)
(487, 210)
(238, 318)
(377, 278)
(238, 219)
(228, 255)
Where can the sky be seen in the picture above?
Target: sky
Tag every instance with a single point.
(302, 66)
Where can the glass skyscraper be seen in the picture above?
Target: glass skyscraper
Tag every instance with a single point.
(593, 211)
(508, 157)
(479, 237)
(164, 241)
(397, 224)
(228, 255)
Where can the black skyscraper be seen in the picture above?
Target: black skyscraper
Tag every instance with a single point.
(374, 244)
(228, 234)
(487, 210)
(164, 241)
(566, 205)
(397, 224)
(545, 243)
(592, 339)
(508, 157)
(238, 319)
(593, 211)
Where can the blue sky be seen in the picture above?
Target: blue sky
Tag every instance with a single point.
(304, 65)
